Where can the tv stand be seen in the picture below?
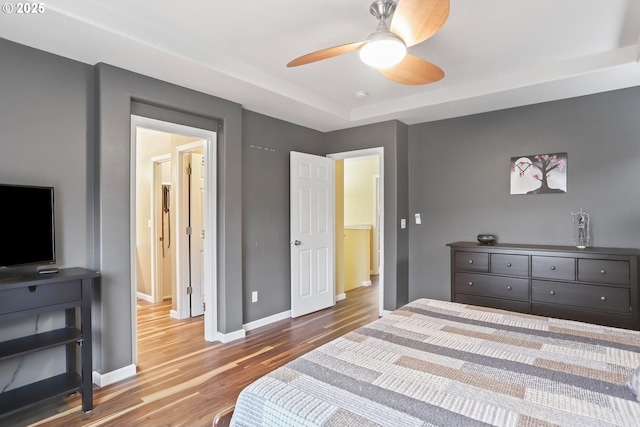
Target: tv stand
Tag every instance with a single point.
(33, 294)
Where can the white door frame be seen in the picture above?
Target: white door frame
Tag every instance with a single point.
(376, 223)
(156, 291)
(378, 151)
(210, 209)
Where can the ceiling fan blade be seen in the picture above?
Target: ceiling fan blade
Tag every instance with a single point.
(414, 21)
(413, 71)
(330, 52)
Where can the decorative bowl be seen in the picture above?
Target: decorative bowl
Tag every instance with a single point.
(487, 239)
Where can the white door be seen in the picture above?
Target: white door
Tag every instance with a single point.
(312, 208)
(196, 255)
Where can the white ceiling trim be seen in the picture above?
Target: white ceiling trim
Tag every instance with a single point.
(536, 77)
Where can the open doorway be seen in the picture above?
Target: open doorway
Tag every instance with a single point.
(359, 221)
(173, 221)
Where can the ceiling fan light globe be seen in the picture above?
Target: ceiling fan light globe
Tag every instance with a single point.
(383, 50)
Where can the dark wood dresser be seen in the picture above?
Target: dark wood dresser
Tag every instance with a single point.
(596, 285)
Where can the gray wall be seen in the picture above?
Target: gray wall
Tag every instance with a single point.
(115, 91)
(459, 179)
(453, 172)
(265, 189)
(48, 105)
(46, 117)
(265, 200)
(392, 136)
(265, 207)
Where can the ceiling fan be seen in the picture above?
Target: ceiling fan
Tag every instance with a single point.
(413, 22)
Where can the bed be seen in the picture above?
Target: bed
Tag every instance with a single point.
(437, 363)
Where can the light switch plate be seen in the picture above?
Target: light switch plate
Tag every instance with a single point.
(403, 223)
(418, 219)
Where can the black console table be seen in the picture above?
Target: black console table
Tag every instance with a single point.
(596, 285)
(31, 295)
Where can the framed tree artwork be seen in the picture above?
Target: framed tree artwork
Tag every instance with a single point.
(539, 174)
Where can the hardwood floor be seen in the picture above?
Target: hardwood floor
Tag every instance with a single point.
(184, 381)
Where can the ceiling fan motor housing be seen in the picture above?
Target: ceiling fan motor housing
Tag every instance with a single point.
(382, 9)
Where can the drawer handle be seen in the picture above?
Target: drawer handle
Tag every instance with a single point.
(553, 267)
(603, 271)
(32, 289)
(470, 261)
(508, 288)
(552, 292)
(470, 283)
(603, 298)
(508, 264)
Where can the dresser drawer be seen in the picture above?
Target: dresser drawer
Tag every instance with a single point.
(495, 286)
(603, 271)
(27, 298)
(504, 304)
(604, 298)
(472, 261)
(514, 265)
(553, 267)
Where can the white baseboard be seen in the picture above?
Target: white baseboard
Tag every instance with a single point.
(173, 314)
(366, 283)
(267, 320)
(231, 336)
(383, 313)
(144, 297)
(114, 376)
(341, 296)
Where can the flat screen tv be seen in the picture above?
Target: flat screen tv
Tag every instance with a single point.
(27, 225)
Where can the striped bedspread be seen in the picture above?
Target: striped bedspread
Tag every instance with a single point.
(436, 363)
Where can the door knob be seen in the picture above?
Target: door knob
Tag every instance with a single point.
(297, 242)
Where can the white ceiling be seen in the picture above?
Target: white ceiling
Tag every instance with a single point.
(495, 53)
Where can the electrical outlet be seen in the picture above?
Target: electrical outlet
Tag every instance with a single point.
(254, 296)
